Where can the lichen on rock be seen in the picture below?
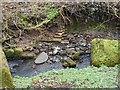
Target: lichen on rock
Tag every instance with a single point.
(105, 52)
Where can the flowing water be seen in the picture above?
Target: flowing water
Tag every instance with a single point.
(25, 67)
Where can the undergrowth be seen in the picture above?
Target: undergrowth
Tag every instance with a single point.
(90, 77)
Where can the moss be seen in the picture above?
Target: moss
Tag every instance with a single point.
(76, 56)
(105, 52)
(6, 78)
(18, 52)
(9, 53)
(69, 63)
(28, 56)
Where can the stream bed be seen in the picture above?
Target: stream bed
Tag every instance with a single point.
(28, 68)
(56, 52)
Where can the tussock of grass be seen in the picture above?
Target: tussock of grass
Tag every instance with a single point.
(90, 77)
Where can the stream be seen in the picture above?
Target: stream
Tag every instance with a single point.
(70, 43)
(25, 67)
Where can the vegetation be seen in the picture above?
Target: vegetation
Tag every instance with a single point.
(25, 23)
(90, 77)
(104, 51)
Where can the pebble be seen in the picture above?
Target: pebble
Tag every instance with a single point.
(56, 49)
(65, 42)
(42, 57)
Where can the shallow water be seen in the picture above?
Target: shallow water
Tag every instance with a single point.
(25, 67)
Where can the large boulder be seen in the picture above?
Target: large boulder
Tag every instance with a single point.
(105, 52)
(5, 75)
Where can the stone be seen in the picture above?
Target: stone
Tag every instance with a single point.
(56, 39)
(76, 56)
(5, 77)
(50, 62)
(50, 53)
(70, 51)
(69, 63)
(43, 57)
(105, 51)
(18, 51)
(77, 49)
(63, 52)
(56, 49)
(65, 42)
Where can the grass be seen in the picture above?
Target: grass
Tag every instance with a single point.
(90, 77)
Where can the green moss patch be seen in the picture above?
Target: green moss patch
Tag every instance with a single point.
(90, 77)
(105, 52)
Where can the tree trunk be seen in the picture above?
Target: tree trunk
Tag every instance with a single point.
(5, 75)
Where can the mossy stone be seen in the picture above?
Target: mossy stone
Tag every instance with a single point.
(5, 75)
(69, 63)
(9, 53)
(76, 56)
(27, 56)
(105, 52)
(18, 52)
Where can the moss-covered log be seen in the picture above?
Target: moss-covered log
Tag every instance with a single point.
(105, 52)
(5, 75)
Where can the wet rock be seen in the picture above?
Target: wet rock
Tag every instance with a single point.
(69, 46)
(42, 50)
(50, 62)
(48, 44)
(56, 39)
(40, 44)
(77, 49)
(89, 45)
(69, 63)
(76, 56)
(83, 48)
(87, 51)
(33, 66)
(43, 57)
(63, 52)
(56, 49)
(65, 42)
(70, 51)
(75, 35)
(36, 51)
